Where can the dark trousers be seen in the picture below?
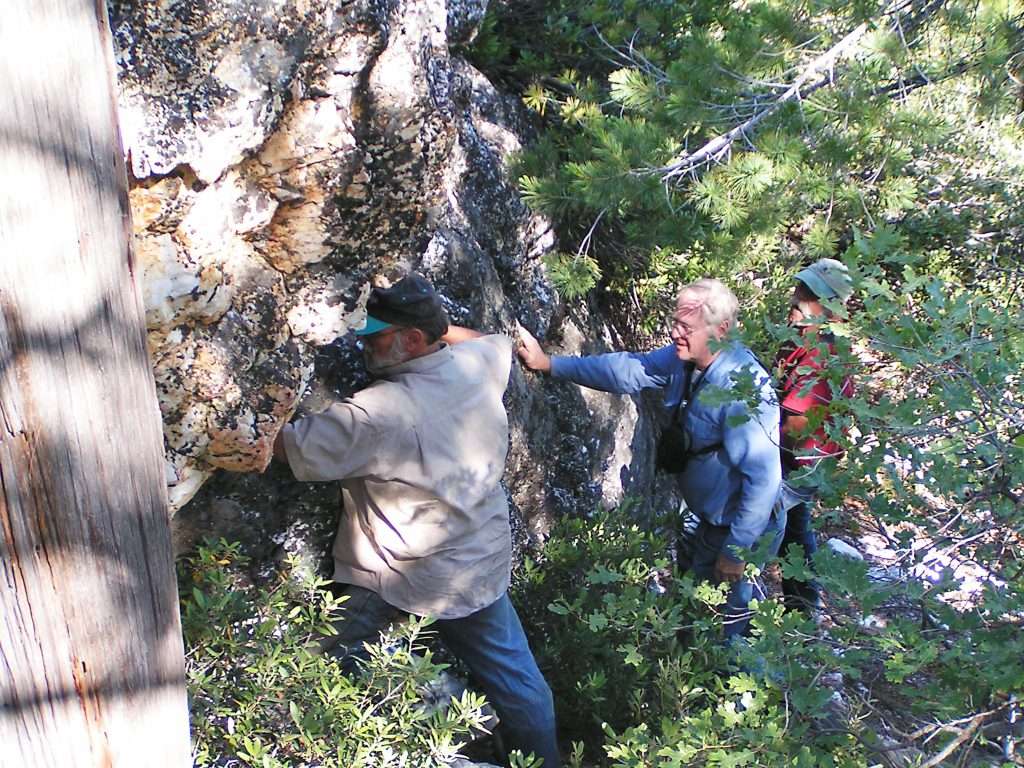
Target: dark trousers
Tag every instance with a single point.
(707, 544)
(491, 642)
(800, 595)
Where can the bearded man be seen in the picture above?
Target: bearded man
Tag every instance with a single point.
(425, 523)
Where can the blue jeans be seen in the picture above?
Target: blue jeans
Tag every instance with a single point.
(800, 595)
(707, 544)
(491, 643)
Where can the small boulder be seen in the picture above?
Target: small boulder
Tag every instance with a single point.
(840, 547)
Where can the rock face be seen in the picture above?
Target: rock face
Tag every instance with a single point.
(287, 154)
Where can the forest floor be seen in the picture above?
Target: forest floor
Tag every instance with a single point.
(883, 707)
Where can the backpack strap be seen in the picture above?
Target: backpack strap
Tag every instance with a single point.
(689, 395)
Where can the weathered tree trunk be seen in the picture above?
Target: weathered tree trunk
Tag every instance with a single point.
(91, 663)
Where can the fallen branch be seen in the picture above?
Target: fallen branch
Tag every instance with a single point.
(963, 734)
(805, 84)
(720, 146)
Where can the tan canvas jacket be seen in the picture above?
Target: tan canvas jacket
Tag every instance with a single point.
(420, 455)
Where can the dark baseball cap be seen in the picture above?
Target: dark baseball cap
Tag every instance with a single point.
(412, 302)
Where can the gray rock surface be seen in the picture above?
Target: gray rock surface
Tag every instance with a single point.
(840, 547)
(286, 155)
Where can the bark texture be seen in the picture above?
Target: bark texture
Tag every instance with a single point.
(91, 663)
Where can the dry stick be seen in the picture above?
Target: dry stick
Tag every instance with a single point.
(634, 57)
(974, 724)
(584, 246)
(722, 145)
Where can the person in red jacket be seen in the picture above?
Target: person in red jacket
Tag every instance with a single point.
(805, 397)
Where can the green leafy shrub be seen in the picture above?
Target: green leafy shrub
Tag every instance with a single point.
(257, 693)
(640, 677)
(632, 651)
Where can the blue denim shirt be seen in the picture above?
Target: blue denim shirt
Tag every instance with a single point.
(734, 486)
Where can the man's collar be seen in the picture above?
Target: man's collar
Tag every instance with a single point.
(725, 355)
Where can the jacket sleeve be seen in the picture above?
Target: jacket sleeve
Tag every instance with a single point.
(624, 373)
(752, 448)
(333, 445)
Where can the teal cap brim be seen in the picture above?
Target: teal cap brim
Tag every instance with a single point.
(818, 286)
(373, 325)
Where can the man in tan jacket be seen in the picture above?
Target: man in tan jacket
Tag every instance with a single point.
(425, 528)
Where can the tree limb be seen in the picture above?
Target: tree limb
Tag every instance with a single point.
(720, 146)
(822, 68)
(963, 734)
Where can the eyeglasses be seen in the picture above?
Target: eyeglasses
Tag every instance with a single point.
(680, 328)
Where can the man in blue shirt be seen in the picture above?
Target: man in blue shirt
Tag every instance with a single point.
(731, 445)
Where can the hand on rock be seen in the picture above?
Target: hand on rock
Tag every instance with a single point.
(529, 351)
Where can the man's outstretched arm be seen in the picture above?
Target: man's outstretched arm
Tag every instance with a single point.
(620, 372)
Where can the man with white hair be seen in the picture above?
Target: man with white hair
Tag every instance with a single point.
(728, 455)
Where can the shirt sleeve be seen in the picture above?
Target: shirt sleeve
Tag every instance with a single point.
(333, 445)
(752, 448)
(500, 352)
(623, 373)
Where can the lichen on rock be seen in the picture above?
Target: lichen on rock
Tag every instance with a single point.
(286, 155)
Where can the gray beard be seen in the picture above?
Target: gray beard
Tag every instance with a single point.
(378, 364)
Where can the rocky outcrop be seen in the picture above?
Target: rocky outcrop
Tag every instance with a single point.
(284, 156)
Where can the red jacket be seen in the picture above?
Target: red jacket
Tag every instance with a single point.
(803, 387)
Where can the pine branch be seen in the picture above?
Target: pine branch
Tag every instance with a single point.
(901, 88)
(822, 68)
(721, 146)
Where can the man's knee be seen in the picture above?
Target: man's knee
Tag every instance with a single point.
(536, 698)
(363, 616)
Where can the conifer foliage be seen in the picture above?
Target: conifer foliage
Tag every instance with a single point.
(742, 140)
(633, 93)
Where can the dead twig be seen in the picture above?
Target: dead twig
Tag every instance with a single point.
(721, 146)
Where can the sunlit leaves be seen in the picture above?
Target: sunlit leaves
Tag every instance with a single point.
(578, 111)
(258, 693)
(536, 98)
(821, 239)
(897, 194)
(633, 89)
(573, 274)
